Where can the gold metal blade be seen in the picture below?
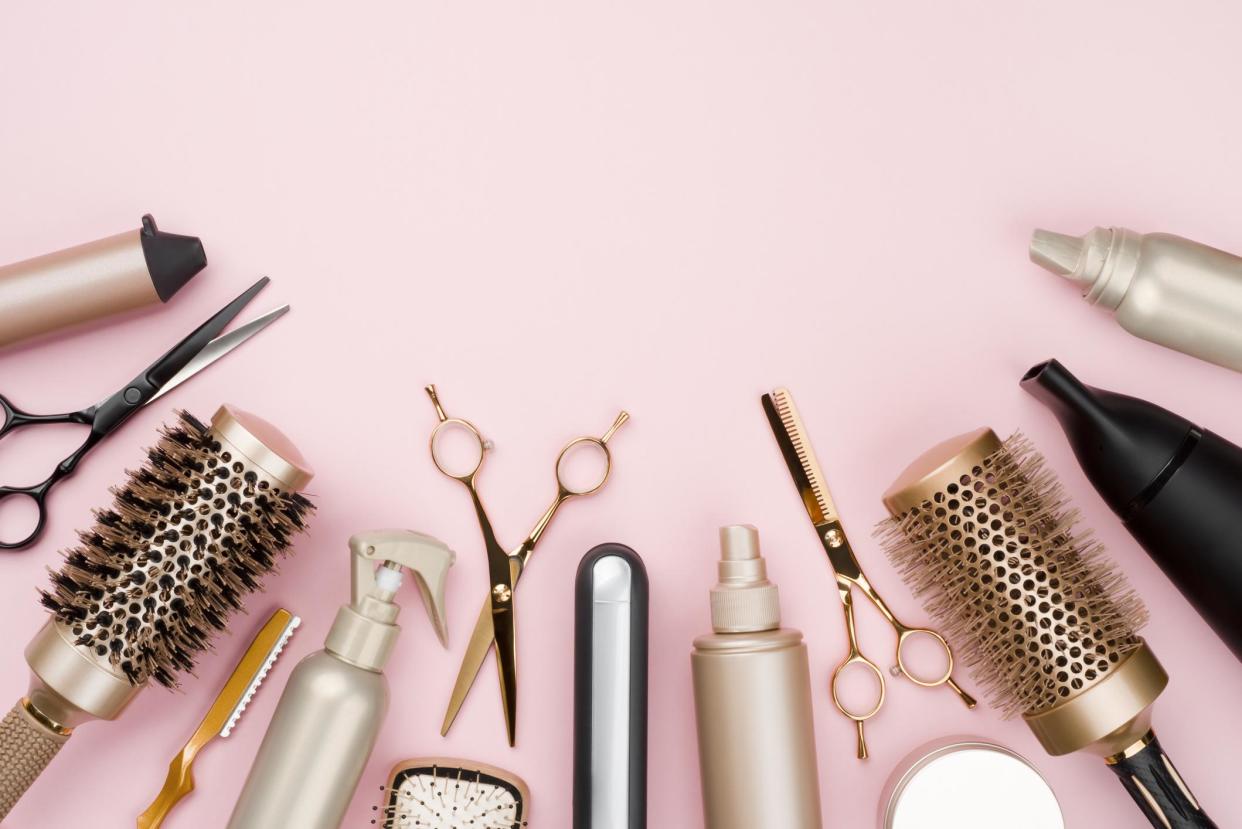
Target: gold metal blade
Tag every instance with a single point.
(476, 654)
(796, 448)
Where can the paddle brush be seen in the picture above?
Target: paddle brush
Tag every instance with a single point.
(187, 537)
(982, 531)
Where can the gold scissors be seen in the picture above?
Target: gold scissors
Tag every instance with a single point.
(496, 619)
(795, 446)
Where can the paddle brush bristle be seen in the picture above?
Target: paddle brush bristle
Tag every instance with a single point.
(188, 536)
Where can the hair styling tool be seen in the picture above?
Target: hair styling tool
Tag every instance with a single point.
(188, 536)
(496, 619)
(98, 279)
(1176, 487)
(440, 793)
(1163, 288)
(795, 446)
(982, 530)
(196, 352)
(223, 714)
(610, 690)
(968, 783)
(752, 701)
(330, 713)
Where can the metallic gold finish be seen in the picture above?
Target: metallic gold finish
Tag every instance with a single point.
(496, 623)
(1110, 719)
(222, 715)
(39, 717)
(71, 685)
(939, 467)
(73, 286)
(265, 447)
(1131, 750)
(1047, 616)
(1048, 624)
(795, 446)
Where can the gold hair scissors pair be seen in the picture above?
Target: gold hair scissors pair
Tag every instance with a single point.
(796, 448)
(496, 619)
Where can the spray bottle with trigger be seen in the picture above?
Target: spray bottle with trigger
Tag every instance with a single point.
(327, 721)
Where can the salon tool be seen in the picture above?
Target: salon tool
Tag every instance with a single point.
(440, 793)
(795, 446)
(98, 279)
(610, 690)
(496, 619)
(223, 714)
(982, 531)
(967, 783)
(752, 701)
(330, 714)
(1177, 488)
(188, 536)
(1163, 288)
(201, 348)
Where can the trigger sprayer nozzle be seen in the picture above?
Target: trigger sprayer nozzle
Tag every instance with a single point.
(388, 579)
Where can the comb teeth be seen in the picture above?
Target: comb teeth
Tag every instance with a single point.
(261, 675)
(1036, 610)
(187, 537)
(791, 421)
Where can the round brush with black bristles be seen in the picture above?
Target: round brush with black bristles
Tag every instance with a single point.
(187, 538)
(983, 532)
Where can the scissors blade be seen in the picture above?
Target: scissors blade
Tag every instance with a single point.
(481, 639)
(219, 347)
(165, 368)
(503, 625)
(795, 447)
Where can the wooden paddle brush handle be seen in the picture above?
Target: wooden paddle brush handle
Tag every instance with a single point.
(26, 747)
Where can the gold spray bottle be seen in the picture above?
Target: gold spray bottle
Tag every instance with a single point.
(330, 714)
(752, 698)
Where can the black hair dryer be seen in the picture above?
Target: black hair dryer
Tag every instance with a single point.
(1177, 487)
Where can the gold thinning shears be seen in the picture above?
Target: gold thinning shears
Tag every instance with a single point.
(496, 624)
(795, 446)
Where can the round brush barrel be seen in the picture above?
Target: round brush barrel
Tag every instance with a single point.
(982, 531)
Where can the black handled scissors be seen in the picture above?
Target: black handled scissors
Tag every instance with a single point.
(187, 358)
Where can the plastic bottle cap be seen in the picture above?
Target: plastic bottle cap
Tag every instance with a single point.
(743, 600)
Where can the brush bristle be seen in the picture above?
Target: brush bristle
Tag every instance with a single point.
(1031, 603)
(188, 536)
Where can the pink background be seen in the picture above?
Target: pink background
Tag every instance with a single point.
(557, 209)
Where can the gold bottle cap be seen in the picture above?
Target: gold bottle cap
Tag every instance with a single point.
(938, 467)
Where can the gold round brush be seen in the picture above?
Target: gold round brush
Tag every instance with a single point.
(188, 537)
(982, 531)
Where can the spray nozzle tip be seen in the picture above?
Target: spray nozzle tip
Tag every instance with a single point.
(1056, 252)
(739, 542)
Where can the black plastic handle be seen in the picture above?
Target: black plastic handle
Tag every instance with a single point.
(1159, 791)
